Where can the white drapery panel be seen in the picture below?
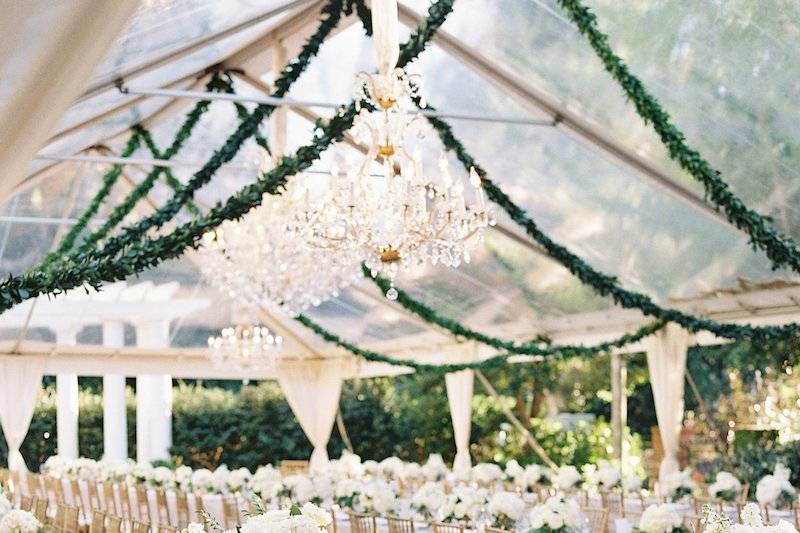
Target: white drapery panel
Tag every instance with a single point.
(385, 34)
(666, 360)
(312, 389)
(459, 396)
(57, 45)
(20, 382)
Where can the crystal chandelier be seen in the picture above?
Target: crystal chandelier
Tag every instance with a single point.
(256, 261)
(245, 346)
(403, 217)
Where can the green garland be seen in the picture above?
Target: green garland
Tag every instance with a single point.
(492, 362)
(780, 248)
(125, 255)
(522, 348)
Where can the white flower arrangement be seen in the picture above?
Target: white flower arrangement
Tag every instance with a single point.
(347, 491)
(297, 489)
(161, 476)
(463, 504)
(556, 515)
(775, 489)
(372, 468)
(513, 470)
(392, 467)
(412, 472)
(306, 519)
(487, 473)
(266, 482)
(18, 521)
(376, 497)
(428, 499)
(238, 480)
(677, 485)
(725, 487)
(751, 522)
(566, 478)
(505, 509)
(607, 475)
(202, 481)
(183, 478)
(632, 483)
(662, 518)
(434, 468)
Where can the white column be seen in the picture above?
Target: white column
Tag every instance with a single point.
(666, 360)
(459, 396)
(153, 399)
(67, 402)
(115, 425)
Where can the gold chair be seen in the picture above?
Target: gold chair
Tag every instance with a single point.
(71, 522)
(77, 496)
(362, 523)
(36, 487)
(113, 524)
(40, 509)
(404, 525)
(443, 527)
(109, 501)
(290, 467)
(98, 523)
(142, 504)
(54, 487)
(332, 527)
(125, 501)
(94, 496)
(140, 527)
(162, 509)
(182, 509)
(25, 503)
(694, 523)
(230, 512)
(598, 519)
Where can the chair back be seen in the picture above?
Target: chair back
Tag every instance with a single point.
(362, 523)
(98, 523)
(109, 501)
(55, 489)
(125, 500)
(694, 523)
(35, 485)
(71, 519)
(113, 524)
(443, 527)
(597, 518)
(40, 509)
(142, 504)
(290, 467)
(25, 503)
(489, 529)
(94, 496)
(138, 526)
(182, 509)
(401, 525)
(77, 496)
(162, 509)
(230, 512)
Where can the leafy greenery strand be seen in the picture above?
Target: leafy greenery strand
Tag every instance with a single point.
(780, 248)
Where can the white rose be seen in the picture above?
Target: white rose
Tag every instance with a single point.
(320, 517)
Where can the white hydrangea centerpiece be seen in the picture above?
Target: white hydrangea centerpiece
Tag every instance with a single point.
(566, 478)
(556, 515)
(505, 509)
(661, 518)
(677, 485)
(428, 499)
(775, 490)
(463, 505)
(751, 522)
(725, 487)
(18, 521)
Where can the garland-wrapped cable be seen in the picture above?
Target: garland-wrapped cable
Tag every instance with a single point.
(169, 177)
(95, 267)
(522, 348)
(780, 248)
(109, 179)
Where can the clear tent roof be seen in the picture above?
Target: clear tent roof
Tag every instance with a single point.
(726, 71)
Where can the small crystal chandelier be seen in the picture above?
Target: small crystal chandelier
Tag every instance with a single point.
(256, 261)
(245, 346)
(404, 217)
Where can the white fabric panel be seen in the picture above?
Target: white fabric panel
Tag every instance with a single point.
(59, 58)
(385, 34)
(459, 396)
(666, 360)
(312, 390)
(20, 382)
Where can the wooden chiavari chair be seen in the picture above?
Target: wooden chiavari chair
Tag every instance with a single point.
(98, 523)
(71, 519)
(443, 527)
(54, 489)
(138, 526)
(142, 504)
(694, 523)
(125, 501)
(182, 509)
(162, 509)
(715, 503)
(25, 503)
(36, 487)
(109, 501)
(598, 519)
(402, 525)
(230, 512)
(290, 467)
(113, 524)
(58, 519)
(40, 509)
(94, 496)
(332, 527)
(489, 529)
(362, 523)
(77, 497)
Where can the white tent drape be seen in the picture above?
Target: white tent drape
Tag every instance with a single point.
(666, 360)
(312, 389)
(20, 382)
(385, 34)
(459, 396)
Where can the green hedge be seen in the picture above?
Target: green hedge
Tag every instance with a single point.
(251, 425)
